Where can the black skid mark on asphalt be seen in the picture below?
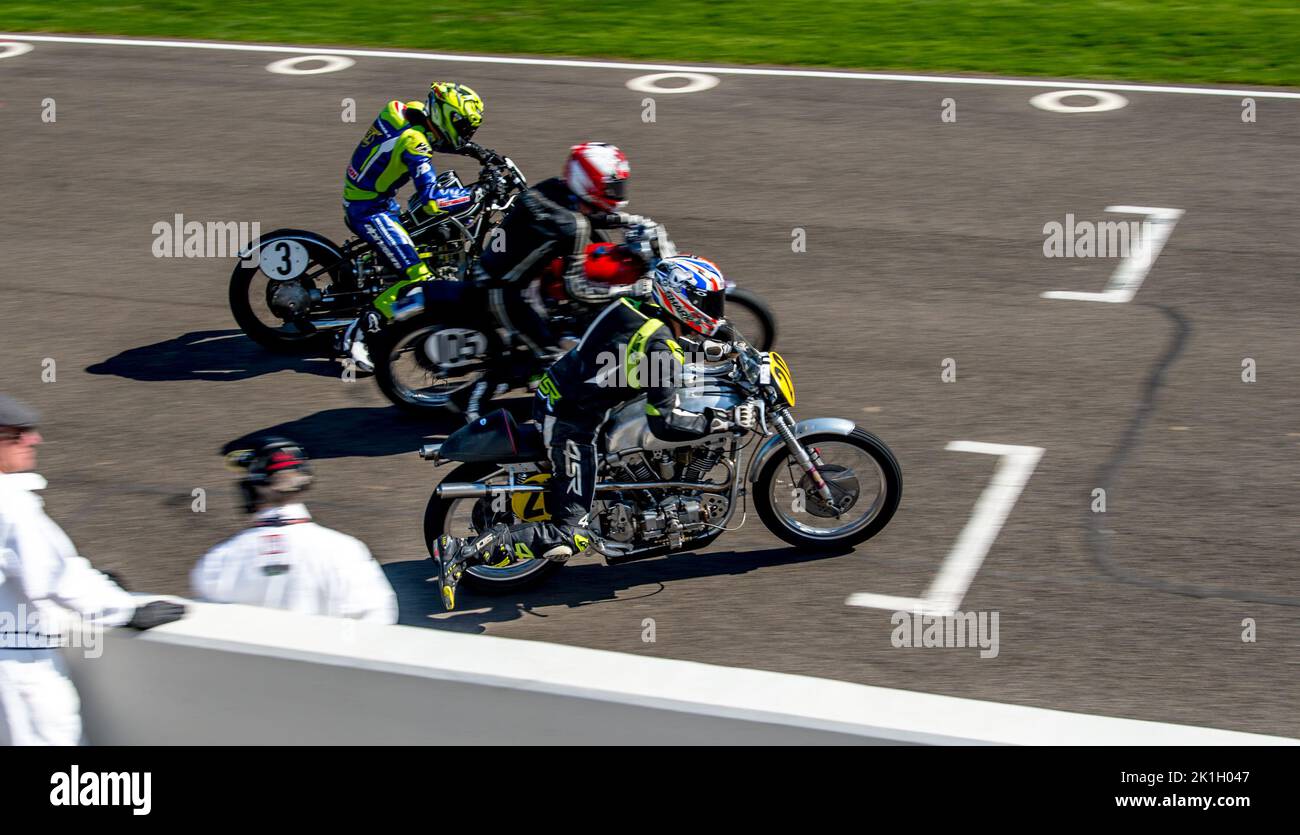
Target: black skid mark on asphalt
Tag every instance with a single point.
(1098, 543)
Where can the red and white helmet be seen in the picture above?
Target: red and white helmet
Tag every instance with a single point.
(598, 172)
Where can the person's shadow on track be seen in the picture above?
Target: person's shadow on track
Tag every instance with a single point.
(216, 355)
(584, 583)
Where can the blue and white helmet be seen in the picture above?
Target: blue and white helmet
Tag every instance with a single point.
(692, 291)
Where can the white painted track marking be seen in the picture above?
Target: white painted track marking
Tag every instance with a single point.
(289, 66)
(623, 65)
(696, 82)
(1103, 100)
(13, 50)
(1132, 271)
(967, 555)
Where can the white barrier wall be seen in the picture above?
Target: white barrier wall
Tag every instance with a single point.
(240, 675)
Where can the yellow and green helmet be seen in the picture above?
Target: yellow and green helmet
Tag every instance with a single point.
(455, 110)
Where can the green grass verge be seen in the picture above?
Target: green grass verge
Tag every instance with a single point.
(1209, 41)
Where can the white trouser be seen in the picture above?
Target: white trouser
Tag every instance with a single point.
(38, 704)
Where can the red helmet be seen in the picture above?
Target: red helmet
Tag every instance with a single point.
(598, 172)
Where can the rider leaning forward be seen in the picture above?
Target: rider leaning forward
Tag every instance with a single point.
(579, 391)
(398, 148)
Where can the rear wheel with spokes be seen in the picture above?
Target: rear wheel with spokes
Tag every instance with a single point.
(751, 316)
(469, 517)
(276, 295)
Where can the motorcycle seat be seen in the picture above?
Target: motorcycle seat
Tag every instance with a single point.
(496, 438)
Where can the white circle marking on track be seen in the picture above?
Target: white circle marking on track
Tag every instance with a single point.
(696, 82)
(289, 66)
(1103, 100)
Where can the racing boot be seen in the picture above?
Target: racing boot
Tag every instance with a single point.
(491, 548)
(452, 555)
(572, 540)
(405, 298)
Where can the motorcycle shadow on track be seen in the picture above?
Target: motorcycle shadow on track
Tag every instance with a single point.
(585, 583)
(367, 431)
(216, 355)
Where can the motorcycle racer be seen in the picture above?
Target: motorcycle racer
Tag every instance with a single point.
(606, 369)
(396, 149)
(556, 218)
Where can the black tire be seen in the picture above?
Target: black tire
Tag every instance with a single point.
(276, 339)
(435, 520)
(765, 339)
(868, 443)
(386, 341)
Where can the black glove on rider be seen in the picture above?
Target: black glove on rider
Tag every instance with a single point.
(156, 613)
(486, 156)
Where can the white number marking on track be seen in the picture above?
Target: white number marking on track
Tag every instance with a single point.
(964, 560)
(1132, 271)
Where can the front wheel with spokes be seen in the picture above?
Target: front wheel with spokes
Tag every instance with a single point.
(865, 482)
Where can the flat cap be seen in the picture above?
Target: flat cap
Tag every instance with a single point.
(13, 413)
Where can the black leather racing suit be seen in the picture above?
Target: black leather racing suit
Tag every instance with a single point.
(545, 223)
(624, 353)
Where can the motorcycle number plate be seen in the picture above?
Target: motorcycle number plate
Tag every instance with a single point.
(283, 259)
(451, 347)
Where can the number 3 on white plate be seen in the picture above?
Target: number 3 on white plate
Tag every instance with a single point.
(283, 259)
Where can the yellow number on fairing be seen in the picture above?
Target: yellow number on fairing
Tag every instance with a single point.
(531, 507)
(782, 376)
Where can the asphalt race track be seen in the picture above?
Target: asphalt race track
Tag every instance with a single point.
(924, 243)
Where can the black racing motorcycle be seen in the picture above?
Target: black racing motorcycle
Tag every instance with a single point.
(293, 290)
(823, 484)
(457, 356)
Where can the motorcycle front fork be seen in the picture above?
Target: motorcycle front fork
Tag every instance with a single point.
(810, 461)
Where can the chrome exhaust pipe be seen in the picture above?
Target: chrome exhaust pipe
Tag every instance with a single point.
(467, 490)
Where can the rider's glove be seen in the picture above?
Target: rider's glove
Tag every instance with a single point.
(156, 613)
(744, 416)
(478, 152)
(719, 420)
(720, 425)
(644, 288)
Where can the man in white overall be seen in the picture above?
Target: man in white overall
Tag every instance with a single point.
(285, 560)
(43, 582)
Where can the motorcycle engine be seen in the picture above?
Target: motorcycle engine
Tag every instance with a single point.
(618, 523)
(671, 518)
